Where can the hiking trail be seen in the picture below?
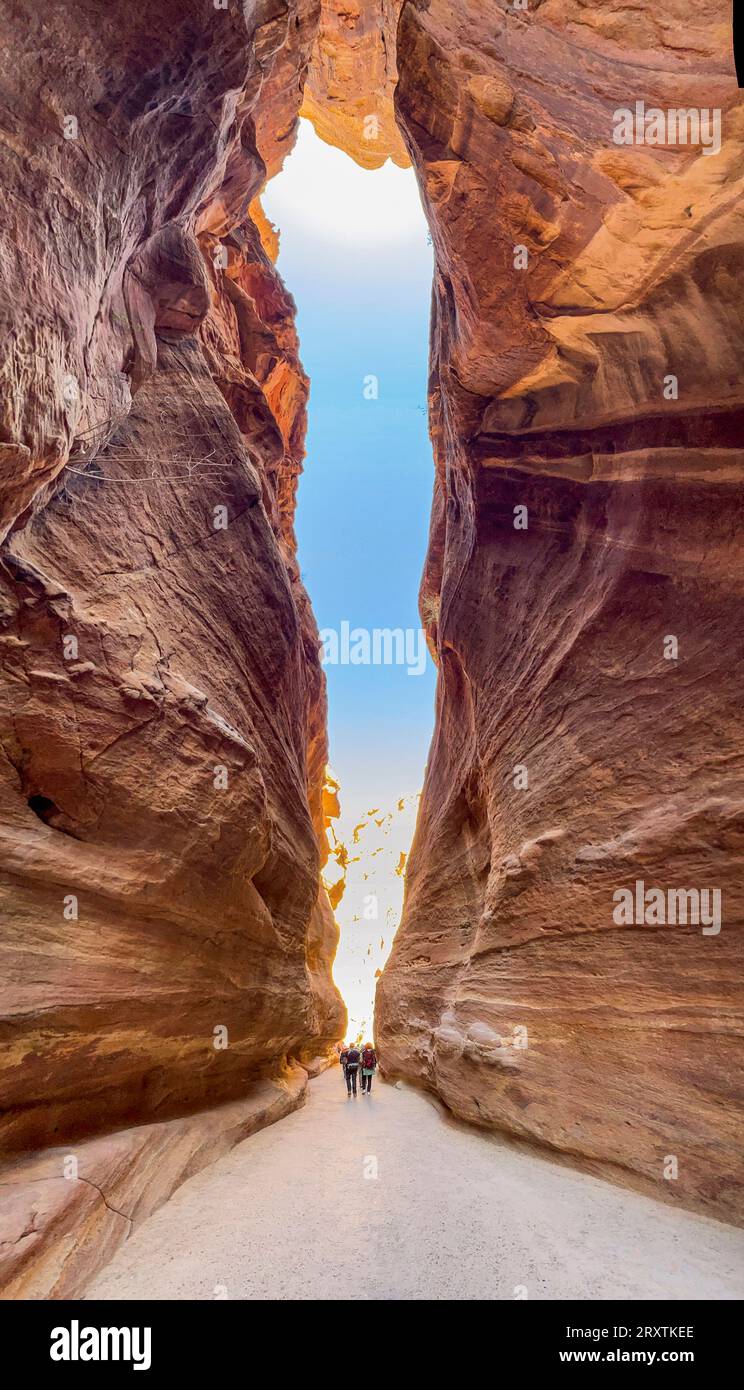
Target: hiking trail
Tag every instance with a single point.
(451, 1214)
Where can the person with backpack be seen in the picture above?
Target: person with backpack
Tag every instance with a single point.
(343, 1054)
(369, 1062)
(353, 1059)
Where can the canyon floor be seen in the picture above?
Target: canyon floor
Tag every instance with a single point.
(451, 1214)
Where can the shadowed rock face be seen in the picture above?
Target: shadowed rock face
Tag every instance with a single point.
(162, 709)
(573, 755)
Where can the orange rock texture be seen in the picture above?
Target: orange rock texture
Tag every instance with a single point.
(351, 80)
(165, 941)
(582, 590)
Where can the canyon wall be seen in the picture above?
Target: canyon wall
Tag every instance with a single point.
(165, 941)
(582, 591)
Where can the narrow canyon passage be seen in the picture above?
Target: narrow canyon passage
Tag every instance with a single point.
(383, 1196)
(189, 629)
(355, 251)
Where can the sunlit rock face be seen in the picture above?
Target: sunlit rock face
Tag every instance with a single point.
(582, 591)
(162, 708)
(351, 80)
(364, 876)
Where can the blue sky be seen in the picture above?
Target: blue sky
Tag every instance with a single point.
(354, 254)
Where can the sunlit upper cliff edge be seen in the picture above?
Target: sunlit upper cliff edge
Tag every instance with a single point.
(352, 76)
(365, 876)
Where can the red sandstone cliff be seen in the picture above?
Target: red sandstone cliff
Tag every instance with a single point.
(547, 393)
(162, 709)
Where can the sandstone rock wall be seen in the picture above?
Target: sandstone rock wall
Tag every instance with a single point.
(58, 1233)
(351, 80)
(511, 990)
(162, 709)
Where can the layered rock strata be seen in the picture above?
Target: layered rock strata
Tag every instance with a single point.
(64, 1214)
(582, 590)
(165, 938)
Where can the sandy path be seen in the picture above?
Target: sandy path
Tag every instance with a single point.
(451, 1214)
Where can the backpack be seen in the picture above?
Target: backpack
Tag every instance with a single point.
(352, 1057)
(368, 1058)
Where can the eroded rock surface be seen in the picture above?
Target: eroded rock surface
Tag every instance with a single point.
(511, 990)
(63, 1215)
(162, 710)
(351, 80)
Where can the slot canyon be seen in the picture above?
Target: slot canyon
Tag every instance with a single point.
(167, 940)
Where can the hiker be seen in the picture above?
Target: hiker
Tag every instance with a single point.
(369, 1062)
(343, 1054)
(353, 1058)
